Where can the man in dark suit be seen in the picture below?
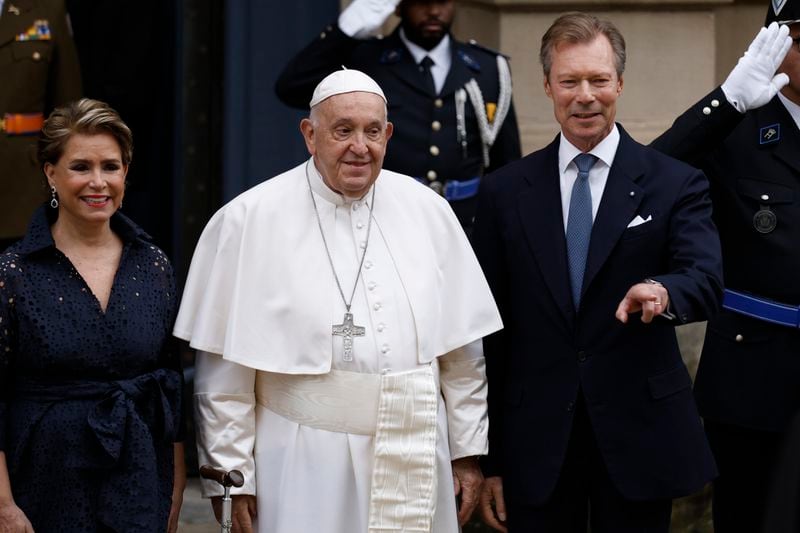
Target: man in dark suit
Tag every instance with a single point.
(745, 135)
(592, 418)
(450, 101)
(38, 72)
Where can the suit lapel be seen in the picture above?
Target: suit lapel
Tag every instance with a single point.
(621, 199)
(542, 221)
(11, 24)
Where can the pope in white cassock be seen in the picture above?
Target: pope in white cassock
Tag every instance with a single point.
(338, 311)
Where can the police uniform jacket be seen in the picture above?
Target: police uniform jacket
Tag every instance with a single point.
(749, 369)
(425, 143)
(38, 74)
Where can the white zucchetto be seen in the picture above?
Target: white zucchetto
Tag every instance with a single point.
(345, 81)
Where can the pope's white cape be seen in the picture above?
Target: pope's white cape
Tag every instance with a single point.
(259, 280)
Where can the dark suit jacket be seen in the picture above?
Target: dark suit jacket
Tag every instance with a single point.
(412, 108)
(35, 77)
(637, 390)
(749, 369)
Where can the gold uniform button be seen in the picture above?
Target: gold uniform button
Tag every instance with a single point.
(714, 103)
(438, 102)
(434, 150)
(323, 35)
(739, 337)
(436, 125)
(706, 110)
(37, 56)
(765, 197)
(431, 175)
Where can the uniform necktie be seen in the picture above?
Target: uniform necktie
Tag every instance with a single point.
(425, 69)
(579, 225)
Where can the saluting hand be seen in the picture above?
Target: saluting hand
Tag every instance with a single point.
(753, 82)
(363, 18)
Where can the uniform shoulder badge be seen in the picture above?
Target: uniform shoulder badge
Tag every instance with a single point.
(475, 44)
(391, 56)
(468, 60)
(769, 134)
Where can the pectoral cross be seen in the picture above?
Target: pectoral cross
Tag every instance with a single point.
(347, 331)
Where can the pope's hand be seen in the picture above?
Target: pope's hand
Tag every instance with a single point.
(363, 18)
(467, 482)
(753, 82)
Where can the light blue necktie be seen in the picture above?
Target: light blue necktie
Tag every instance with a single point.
(579, 225)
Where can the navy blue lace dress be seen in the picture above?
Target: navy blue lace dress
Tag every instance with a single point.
(89, 400)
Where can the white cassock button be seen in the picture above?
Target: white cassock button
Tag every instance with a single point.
(359, 225)
(377, 306)
(385, 348)
(706, 110)
(362, 244)
(714, 103)
(368, 264)
(372, 285)
(381, 327)
(355, 206)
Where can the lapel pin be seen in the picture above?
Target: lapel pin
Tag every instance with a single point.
(632, 194)
(13, 9)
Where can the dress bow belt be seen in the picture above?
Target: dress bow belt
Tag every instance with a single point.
(127, 423)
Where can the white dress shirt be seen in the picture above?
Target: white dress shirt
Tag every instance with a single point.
(440, 54)
(598, 175)
(792, 108)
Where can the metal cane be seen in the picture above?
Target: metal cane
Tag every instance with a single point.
(234, 478)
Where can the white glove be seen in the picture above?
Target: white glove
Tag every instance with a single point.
(753, 82)
(363, 18)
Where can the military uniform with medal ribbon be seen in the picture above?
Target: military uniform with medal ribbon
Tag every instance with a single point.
(431, 140)
(39, 67)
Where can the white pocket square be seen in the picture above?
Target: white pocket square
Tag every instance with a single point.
(638, 221)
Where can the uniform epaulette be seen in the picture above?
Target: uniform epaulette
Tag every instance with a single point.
(475, 44)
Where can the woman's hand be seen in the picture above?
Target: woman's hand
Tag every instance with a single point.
(13, 520)
(179, 484)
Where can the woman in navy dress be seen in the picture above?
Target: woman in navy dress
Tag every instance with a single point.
(90, 378)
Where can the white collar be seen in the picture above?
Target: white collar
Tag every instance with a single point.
(792, 108)
(439, 53)
(319, 186)
(605, 150)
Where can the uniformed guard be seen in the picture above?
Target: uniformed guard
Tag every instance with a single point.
(38, 72)
(745, 135)
(450, 101)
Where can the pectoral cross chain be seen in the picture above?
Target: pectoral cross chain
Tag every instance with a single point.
(347, 331)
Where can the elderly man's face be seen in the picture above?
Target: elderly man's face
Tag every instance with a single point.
(791, 66)
(347, 135)
(584, 87)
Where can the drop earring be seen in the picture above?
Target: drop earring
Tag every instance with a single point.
(53, 199)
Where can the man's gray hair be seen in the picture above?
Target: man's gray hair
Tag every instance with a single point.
(576, 27)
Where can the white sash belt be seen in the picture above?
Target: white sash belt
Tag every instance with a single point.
(398, 409)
